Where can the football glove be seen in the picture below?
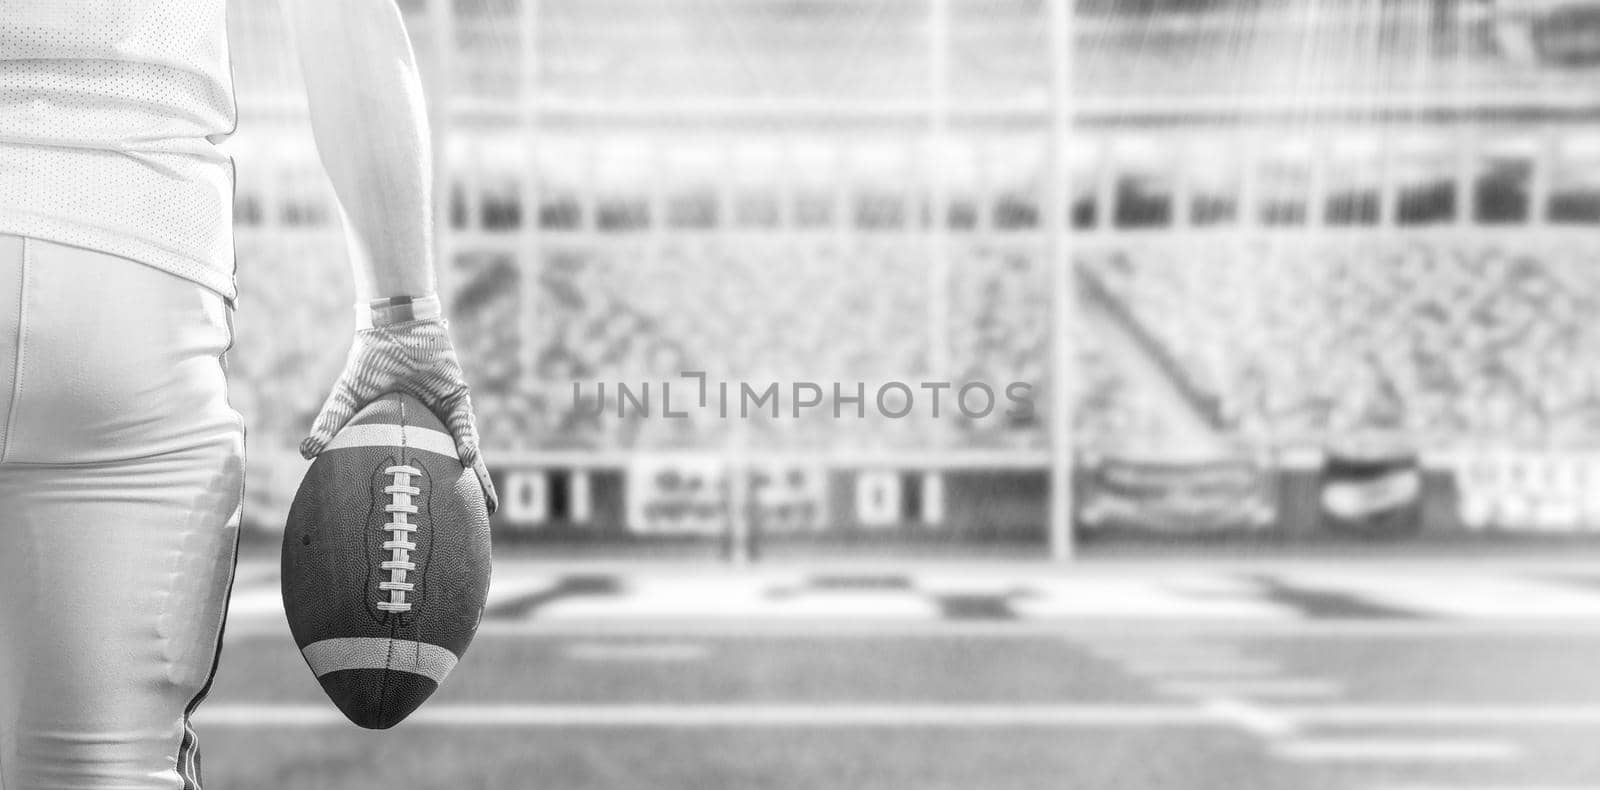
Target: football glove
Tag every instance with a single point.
(416, 358)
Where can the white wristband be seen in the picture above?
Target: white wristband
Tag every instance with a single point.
(392, 310)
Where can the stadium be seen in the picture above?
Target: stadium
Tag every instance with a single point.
(1244, 317)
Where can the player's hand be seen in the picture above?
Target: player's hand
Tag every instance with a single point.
(416, 358)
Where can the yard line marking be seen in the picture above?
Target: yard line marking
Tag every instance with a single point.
(658, 651)
(1445, 715)
(1484, 787)
(1252, 687)
(1153, 630)
(1251, 718)
(687, 716)
(1395, 750)
(1203, 670)
(1486, 597)
(1215, 713)
(257, 602)
(1080, 633)
(738, 599)
(1086, 597)
(511, 589)
(1175, 652)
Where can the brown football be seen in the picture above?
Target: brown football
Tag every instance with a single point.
(386, 561)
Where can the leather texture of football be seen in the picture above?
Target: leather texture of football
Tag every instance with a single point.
(386, 561)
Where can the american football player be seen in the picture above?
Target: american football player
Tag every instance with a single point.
(121, 461)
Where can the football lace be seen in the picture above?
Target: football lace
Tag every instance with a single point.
(399, 544)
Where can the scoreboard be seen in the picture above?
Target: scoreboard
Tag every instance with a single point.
(745, 507)
(767, 502)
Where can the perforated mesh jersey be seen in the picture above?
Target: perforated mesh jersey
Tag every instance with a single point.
(109, 115)
(386, 562)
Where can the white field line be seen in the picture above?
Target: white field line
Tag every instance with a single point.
(1080, 633)
(1175, 652)
(519, 587)
(1268, 717)
(1152, 629)
(1485, 597)
(1484, 787)
(641, 652)
(1242, 668)
(1254, 719)
(1367, 750)
(1014, 571)
(733, 715)
(1182, 646)
(1444, 715)
(1252, 687)
(256, 603)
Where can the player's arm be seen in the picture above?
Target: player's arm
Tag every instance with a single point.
(371, 127)
(370, 124)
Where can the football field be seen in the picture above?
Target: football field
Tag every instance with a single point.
(1125, 675)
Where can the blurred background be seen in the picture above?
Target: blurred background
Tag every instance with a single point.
(1301, 293)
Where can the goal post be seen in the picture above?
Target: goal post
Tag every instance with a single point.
(1063, 291)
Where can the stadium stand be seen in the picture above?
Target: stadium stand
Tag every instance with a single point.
(1306, 220)
(1433, 335)
(765, 309)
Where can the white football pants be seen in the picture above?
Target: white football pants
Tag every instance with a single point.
(121, 472)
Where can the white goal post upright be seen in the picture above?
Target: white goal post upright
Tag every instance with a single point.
(530, 259)
(936, 180)
(1064, 290)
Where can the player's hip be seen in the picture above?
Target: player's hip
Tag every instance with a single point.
(169, 207)
(105, 359)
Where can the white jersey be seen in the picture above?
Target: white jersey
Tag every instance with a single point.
(109, 111)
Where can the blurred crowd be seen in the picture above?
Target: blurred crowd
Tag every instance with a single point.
(1274, 338)
(753, 309)
(846, 315)
(1433, 336)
